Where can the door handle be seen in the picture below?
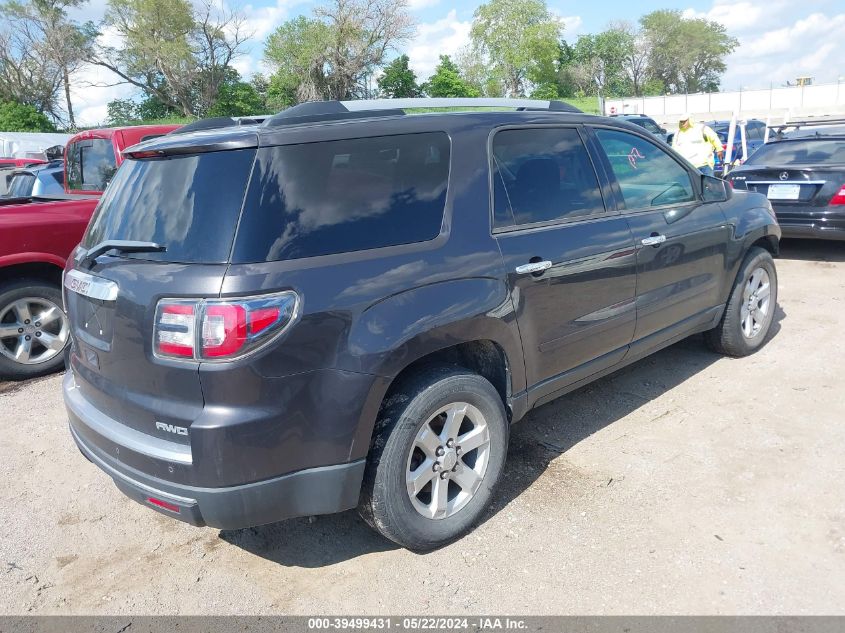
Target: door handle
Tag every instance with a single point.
(654, 240)
(533, 267)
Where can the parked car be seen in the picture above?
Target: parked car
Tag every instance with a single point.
(755, 132)
(348, 306)
(645, 122)
(45, 179)
(8, 167)
(36, 237)
(804, 179)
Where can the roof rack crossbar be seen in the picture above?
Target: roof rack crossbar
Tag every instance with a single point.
(814, 122)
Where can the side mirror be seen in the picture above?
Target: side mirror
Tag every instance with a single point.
(714, 189)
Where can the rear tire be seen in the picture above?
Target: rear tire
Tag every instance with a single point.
(420, 489)
(747, 321)
(43, 352)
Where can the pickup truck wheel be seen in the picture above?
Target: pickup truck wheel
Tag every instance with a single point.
(748, 317)
(437, 453)
(33, 329)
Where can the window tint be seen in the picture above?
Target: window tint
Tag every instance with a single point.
(189, 204)
(90, 165)
(547, 175)
(341, 196)
(804, 152)
(21, 185)
(647, 175)
(649, 125)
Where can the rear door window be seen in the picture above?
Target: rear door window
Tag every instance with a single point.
(341, 196)
(546, 175)
(802, 152)
(91, 164)
(647, 175)
(188, 204)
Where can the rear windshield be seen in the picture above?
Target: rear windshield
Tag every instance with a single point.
(341, 196)
(90, 164)
(189, 204)
(807, 152)
(21, 185)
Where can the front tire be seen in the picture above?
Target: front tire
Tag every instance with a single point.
(747, 321)
(437, 453)
(33, 329)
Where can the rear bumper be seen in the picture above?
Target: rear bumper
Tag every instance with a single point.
(826, 223)
(320, 490)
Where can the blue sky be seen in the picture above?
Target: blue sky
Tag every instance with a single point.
(779, 39)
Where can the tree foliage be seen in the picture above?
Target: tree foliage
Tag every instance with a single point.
(518, 41)
(447, 81)
(40, 48)
(687, 54)
(19, 117)
(175, 50)
(398, 80)
(332, 54)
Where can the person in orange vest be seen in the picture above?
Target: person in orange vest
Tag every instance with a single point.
(697, 142)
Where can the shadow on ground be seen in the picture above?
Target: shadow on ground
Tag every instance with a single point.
(813, 250)
(542, 436)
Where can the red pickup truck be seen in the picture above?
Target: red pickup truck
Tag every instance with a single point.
(36, 237)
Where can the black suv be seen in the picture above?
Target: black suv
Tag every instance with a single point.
(348, 305)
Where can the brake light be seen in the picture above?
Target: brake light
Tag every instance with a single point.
(839, 198)
(216, 330)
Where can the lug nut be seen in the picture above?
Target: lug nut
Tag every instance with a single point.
(38, 324)
(459, 450)
(436, 466)
(440, 452)
(38, 334)
(450, 443)
(20, 330)
(444, 475)
(454, 468)
(27, 337)
(26, 322)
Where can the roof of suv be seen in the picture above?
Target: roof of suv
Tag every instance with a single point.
(323, 120)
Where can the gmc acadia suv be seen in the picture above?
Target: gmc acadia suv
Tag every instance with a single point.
(348, 305)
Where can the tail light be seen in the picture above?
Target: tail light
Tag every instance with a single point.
(839, 198)
(217, 330)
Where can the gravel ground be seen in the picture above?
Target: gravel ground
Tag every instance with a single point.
(687, 483)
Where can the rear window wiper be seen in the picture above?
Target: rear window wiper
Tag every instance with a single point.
(121, 246)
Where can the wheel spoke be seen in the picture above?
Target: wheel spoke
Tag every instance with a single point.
(427, 441)
(439, 498)
(51, 342)
(417, 479)
(48, 316)
(747, 325)
(21, 309)
(467, 479)
(454, 419)
(9, 329)
(477, 437)
(24, 351)
(764, 291)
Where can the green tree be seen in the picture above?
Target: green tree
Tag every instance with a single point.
(40, 48)
(518, 41)
(398, 80)
(597, 63)
(122, 112)
(19, 117)
(687, 54)
(174, 50)
(237, 98)
(447, 81)
(331, 55)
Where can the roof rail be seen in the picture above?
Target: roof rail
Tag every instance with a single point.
(219, 122)
(314, 111)
(812, 122)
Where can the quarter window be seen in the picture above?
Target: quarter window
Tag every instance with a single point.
(542, 175)
(647, 175)
(341, 196)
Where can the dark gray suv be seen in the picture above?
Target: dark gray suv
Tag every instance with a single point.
(348, 305)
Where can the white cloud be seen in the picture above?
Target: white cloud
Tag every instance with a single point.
(778, 41)
(416, 5)
(442, 37)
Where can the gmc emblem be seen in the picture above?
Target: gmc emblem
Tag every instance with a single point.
(178, 430)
